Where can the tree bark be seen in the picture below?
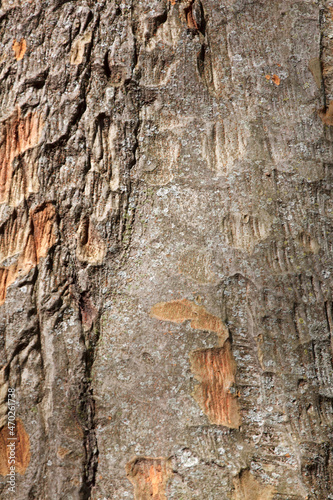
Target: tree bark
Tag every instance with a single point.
(165, 249)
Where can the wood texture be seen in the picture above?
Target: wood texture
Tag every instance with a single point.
(166, 270)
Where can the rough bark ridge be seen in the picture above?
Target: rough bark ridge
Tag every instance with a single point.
(165, 248)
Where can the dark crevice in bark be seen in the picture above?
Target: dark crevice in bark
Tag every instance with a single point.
(86, 411)
(321, 50)
(106, 66)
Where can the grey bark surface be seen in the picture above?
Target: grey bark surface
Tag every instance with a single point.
(166, 242)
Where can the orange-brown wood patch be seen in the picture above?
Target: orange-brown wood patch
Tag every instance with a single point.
(22, 449)
(18, 134)
(178, 311)
(25, 238)
(43, 219)
(149, 477)
(19, 48)
(215, 369)
(327, 114)
(189, 16)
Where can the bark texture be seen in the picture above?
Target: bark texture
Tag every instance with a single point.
(166, 240)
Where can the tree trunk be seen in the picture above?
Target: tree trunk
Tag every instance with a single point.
(165, 249)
